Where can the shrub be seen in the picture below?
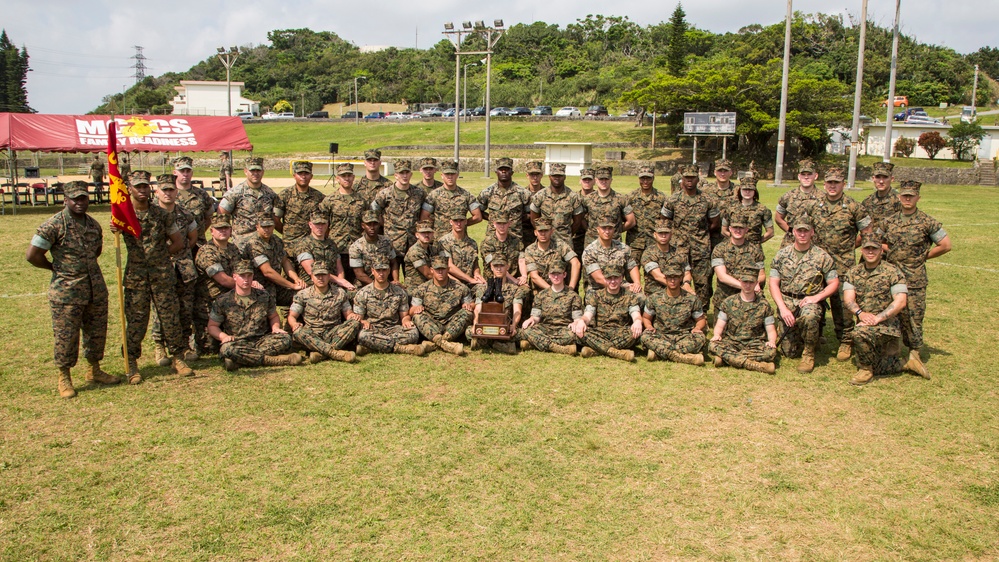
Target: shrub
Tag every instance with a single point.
(932, 143)
(904, 146)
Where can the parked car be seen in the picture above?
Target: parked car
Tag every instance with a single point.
(499, 112)
(399, 115)
(318, 115)
(921, 120)
(542, 110)
(596, 111)
(352, 115)
(631, 113)
(900, 101)
(902, 115)
(433, 112)
(269, 115)
(375, 115)
(449, 112)
(520, 111)
(568, 111)
(285, 115)
(968, 114)
(245, 115)
(479, 112)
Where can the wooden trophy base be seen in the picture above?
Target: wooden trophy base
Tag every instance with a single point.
(493, 324)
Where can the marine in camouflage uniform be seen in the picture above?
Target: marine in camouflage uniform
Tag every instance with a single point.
(248, 201)
(587, 184)
(505, 195)
(150, 278)
(760, 221)
(547, 251)
(559, 204)
(322, 319)
(295, 204)
(272, 267)
(611, 319)
(344, 208)
(370, 248)
(442, 308)
(674, 322)
(694, 214)
(795, 202)
(400, 205)
(97, 172)
(514, 296)
(665, 252)
(196, 200)
(725, 193)
(554, 309)
(442, 203)
(646, 203)
(732, 255)
(368, 185)
(913, 237)
(317, 247)
(417, 263)
(799, 271)
(248, 325)
(462, 251)
(78, 296)
(214, 263)
(605, 202)
(386, 326)
(225, 172)
(838, 219)
(883, 203)
(510, 247)
(535, 170)
(428, 183)
(607, 251)
(745, 332)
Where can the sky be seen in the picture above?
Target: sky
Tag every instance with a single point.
(81, 50)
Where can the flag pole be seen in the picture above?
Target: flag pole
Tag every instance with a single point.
(121, 299)
(113, 169)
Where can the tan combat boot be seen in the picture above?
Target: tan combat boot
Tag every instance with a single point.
(760, 367)
(96, 374)
(191, 355)
(526, 345)
(475, 345)
(428, 347)
(807, 363)
(718, 361)
(229, 365)
(915, 365)
(134, 377)
(161, 356)
(179, 367)
(341, 355)
(316, 357)
(287, 360)
(409, 349)
(845, 351)
(622, 354)
(361, 351)
(569, 350)
(863, 376)
(687, 358)
(66, 389)
(652, 356)
(451, 347)
(587, 352)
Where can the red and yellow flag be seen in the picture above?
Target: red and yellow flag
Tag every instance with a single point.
(122, 212)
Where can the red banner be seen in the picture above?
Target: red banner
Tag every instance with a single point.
(146, 133)
(122, 212)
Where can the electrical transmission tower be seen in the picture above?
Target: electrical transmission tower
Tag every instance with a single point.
(140, 64)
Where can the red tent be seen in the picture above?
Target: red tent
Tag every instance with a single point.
(146, 133)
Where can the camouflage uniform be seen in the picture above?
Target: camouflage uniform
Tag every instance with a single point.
(647, 208)
(595, 257)
(368, 188)
(758, 218)
(97, 172)
(793, 204)
(745, 335)
(561, 207)
(383, 308)
(363, 253)
(212, 260)
(653, 258)
(201, 206)
(323, 327)
(442, 203)
(225, 173)
(246, 205)
(428, 163)
(416, 257)
(734, 258)
(401, 210)
(612, 319)
(464, 253)
(881, 208)
(674, 318)
(540, 260)
(511, 248)
(909, 240)
(270, 251)
(798, 272)
(876, 346)
(556, 309)
(515, 201)
(314, 249)
(293, 207)
(77, 294)
(187, 277)
(691, 218)
(344, 211)
(247, 319)
(442, 309)
(723, 199)
(613, 204)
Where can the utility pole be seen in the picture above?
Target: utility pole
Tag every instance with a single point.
(974, 93)
(890, 118)
(855, 134)
(782, 127)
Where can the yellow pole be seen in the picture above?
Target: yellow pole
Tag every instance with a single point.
(121, 299)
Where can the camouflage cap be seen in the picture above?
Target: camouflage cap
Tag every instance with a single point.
(646, 171)
(806, 166)
(586, 174)
(301, 166)
(379, 261)
(503, 163)
(803, 221)
(723, 164)
(183, 163)
(438, 262)
(498, 259)
(369, 216)
(166, 181)
(671, 269)
(612, 270)
(882, 168)
(139, 177)
(403, 165)
(428, 162)
(320, 268)
(836, 173)
(535, 167)
(909, 187)
(663, 225)
(243, 267)
(221, 220)
(254, 163)
(345, 169)
(558, 266)
(690, 171)
(872, 239)
(458, 215)
(74, 189)
(318, 216)
(738, 219)
(543, 223)
(449, 167)
(748, 182)
(499, 216)
(607, 220)
(748, 274)
(556, 169)
(425, 226)
(265, 220)
(603, 172)
(372, 154)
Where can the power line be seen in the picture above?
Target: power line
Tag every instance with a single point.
(33, 50)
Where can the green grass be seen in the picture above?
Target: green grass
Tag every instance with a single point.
(489, 457)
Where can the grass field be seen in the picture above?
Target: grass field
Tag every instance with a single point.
(489, 457)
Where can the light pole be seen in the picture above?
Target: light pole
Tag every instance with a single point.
(890, 118)
(464, 79)
(228, 58)
(782, 126)
(491, 35)
(851, 173)
(357, 118)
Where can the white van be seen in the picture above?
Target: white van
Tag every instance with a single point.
(968, 114)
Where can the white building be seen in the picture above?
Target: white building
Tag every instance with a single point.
(988, 149)
(199, 97)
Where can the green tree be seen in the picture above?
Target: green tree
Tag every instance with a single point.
(965, 138)
(13, 77)
(676, 55)
(904, 146)
(932, 143)
(281, 106)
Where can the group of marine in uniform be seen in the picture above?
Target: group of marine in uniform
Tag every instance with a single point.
(387, 266)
